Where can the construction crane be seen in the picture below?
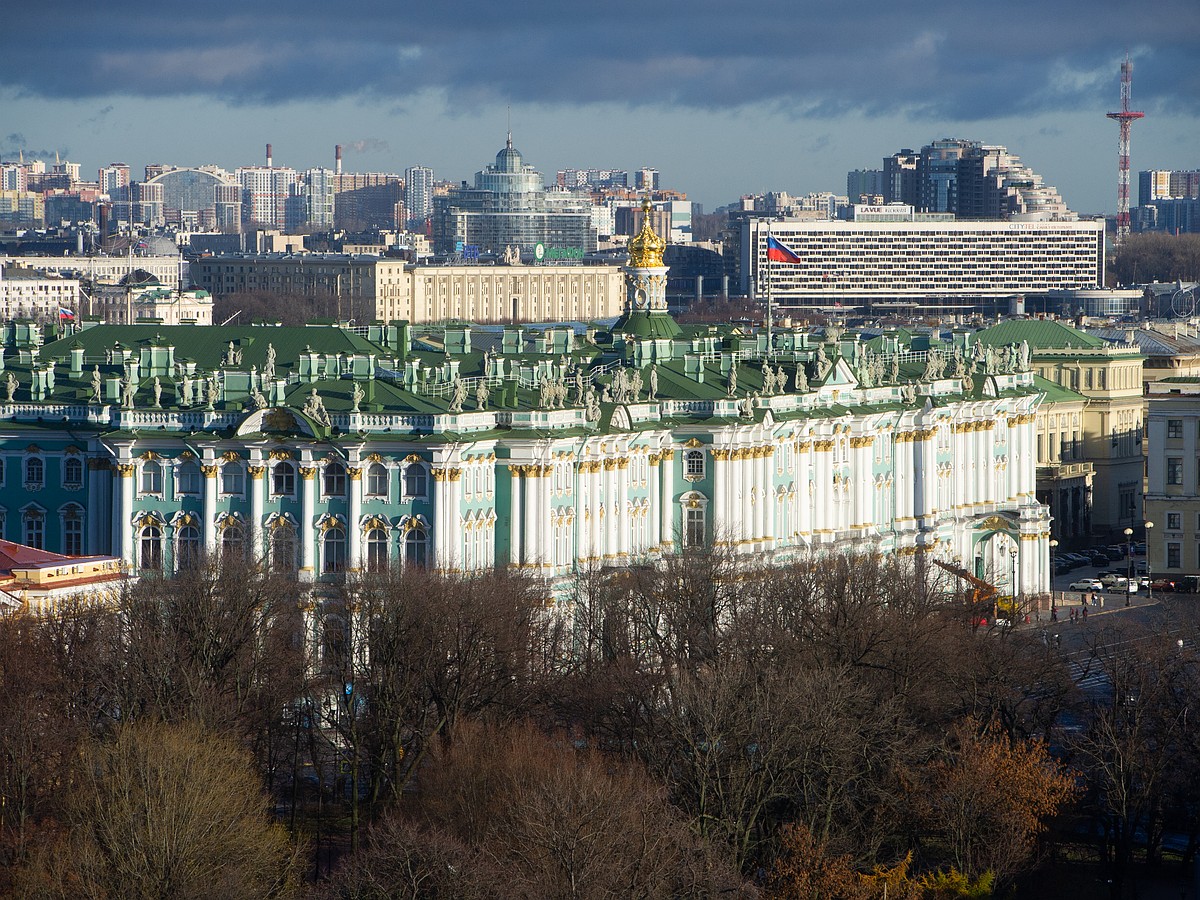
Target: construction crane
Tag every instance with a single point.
(982, 593)
(1125, 119)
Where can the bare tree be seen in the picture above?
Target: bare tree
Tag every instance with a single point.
(166, 811)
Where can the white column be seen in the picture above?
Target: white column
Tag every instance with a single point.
(823, 513)
(210, 508)
(655, 496)
(123, 512)
(771, 507)
(353, 529)
(720, 482)
(257, 472)
(805, 500)
(94, 470)
(529, 545)
(625, 522)
(308, 484)
(515, 520)
(666, 506)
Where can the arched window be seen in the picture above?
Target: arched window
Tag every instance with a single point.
(335, 480)
(150, 548)
(377, 480)
(188, 477)
(233, 541)
(151, 477)
(416, 547)
(377, 550)
(693, 527)
(233, 478)
(333, 547)
(283, 549)
(35, 473)
(72, 472)
(187, 547)
(283, 480)
(416, 480)
(693, 462)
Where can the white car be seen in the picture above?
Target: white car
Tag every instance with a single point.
(1112, 582)
(1086, 584)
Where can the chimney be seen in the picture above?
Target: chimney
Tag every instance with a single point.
(268, 156)
(337, 159)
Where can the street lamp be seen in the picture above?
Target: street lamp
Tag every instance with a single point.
(1149, 590)
(1012, 614)
(1129, 565)
(1053, 548)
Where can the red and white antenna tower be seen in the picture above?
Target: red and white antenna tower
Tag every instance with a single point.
(1125, 119)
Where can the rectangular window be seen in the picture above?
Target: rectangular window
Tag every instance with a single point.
(1174, 428)
(73, 536)
(1174, 521)
(1174, 470)
(1172, 556)
(693, 533)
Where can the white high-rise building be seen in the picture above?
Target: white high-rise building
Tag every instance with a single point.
(418, 186)
(265, 190)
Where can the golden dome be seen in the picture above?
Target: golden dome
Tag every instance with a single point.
(646, 248)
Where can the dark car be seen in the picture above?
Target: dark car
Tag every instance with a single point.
(1163, 585)
(1114, 553)
(1100, 559)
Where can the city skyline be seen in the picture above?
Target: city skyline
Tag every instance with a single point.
(723, 102)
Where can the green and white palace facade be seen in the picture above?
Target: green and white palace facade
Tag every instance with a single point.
(327, 450)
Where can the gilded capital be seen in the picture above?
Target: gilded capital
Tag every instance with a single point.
(354, 473)
(208, 471)
(125, 470)
(308, 473)
(256, 471)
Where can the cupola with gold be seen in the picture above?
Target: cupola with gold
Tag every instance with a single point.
(645, 312)
(646, 248)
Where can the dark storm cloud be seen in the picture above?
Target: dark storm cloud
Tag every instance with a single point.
(950, 60)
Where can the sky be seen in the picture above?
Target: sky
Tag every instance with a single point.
(723, 98)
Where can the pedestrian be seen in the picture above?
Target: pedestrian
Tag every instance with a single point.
(1084, 611)
(1054, 615)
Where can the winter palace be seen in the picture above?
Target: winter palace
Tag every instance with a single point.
(334, 449)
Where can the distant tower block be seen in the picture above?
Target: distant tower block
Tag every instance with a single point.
(1125, 120)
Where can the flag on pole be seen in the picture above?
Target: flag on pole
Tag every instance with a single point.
(776, 252)
(64, 313)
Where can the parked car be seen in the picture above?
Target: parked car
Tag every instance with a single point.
(1114, 553)
(1139, 549)
(1086, 584)
(1162, 585)
(1100, 559)
(1112, 580)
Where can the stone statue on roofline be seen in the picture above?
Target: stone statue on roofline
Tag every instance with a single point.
(801, 383)
(259, 399)
(458, 395)
(357, 396)
(269, 365)
(314, 408)
(731, 379)
(185, 396)
(128, 390)
(157, 392)
(97, 385)
(481, 394)
(10, 386)
(653, 383)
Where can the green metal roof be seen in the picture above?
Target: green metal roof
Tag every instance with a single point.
(1042, 334)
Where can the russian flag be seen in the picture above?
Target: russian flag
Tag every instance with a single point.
(64, 313)
(776, 252)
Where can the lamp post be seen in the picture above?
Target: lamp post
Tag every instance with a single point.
(1012, 613)
(1149, 590)
(1053, 548)
(1129, 565)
